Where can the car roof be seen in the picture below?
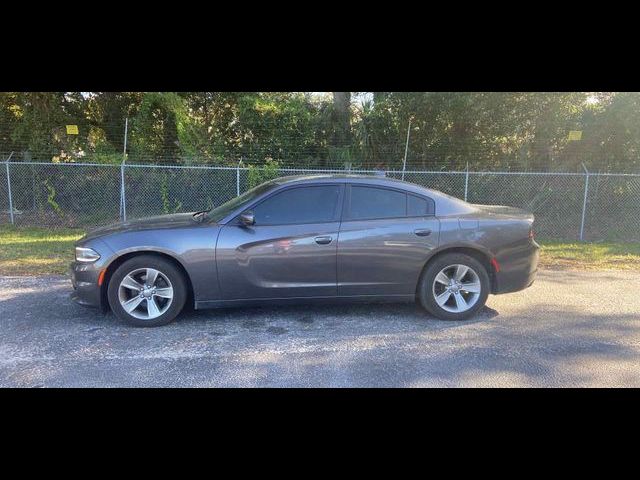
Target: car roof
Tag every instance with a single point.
(345, 178)
(366, 179)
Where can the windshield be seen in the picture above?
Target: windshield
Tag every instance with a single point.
(225, 209)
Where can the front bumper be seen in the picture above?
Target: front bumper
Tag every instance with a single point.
(84, 279)
(518, 268)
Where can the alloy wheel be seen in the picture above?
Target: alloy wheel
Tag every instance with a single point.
(145, 293)
(456, 288)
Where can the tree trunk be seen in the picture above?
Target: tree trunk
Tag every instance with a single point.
(113, 119)
(341, 106)
(342, 123)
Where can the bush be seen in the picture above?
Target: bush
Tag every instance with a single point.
(257, 175)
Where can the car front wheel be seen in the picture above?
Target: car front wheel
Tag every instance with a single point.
(147, 291)
(454, 287)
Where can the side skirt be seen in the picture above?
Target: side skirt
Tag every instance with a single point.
(304, 300)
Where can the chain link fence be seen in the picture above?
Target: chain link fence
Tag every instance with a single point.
(613, 207)
(151, 190)
(567, 206)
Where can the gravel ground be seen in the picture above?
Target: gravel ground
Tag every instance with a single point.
(569, 329)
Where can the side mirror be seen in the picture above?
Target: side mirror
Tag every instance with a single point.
(247, 218)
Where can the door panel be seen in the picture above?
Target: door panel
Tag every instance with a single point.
(384, 257)
(290, 250)
(278, 261)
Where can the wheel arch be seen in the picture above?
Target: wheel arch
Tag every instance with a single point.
(119, 260)
(480, 254)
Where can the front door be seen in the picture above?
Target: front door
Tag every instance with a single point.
(289, 252)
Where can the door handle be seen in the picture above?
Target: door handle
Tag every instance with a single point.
(422, 232)
(323, 240)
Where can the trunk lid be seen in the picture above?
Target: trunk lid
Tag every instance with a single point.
(505, 212)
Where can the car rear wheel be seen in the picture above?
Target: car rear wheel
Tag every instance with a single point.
(454, 287)
(147, 291)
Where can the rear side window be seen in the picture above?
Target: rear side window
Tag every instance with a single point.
(299, 205)
(419, 207)
(371, 202)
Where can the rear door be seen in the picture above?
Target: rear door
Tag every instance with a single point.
(385, 238)
(289, 252)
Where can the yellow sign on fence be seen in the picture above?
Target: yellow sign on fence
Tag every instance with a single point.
(575, 135)
(72, 129)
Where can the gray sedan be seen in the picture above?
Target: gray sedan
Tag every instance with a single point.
(310, 239)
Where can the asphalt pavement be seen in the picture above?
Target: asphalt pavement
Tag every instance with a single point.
(571, 328)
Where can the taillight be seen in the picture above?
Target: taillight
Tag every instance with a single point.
(531, 233)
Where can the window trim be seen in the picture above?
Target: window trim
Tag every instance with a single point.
(346, 211)
(336, 213)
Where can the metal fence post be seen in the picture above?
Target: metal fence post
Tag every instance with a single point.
(238, 178)
(123, 199)
(6, 163)
(466, 183)
(584, 203)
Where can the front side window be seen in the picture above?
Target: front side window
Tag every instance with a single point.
(317, 204)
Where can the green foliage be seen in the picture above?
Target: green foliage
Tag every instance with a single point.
(260, 174)
(166, 201)
(161, 126)
(104, 158)
(104, 153)
(51, 198)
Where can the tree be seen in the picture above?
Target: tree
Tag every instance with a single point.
(487, 130)
(108, 111)
(162, 128)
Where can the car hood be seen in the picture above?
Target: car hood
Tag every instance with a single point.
(176, 220)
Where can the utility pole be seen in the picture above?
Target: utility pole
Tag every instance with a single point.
(123, 200)
(406, 149)
(9, 189)
(584, 204)
(238, 178)
(466, 183)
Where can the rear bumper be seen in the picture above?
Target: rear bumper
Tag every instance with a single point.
(518, 268)
(84, 279)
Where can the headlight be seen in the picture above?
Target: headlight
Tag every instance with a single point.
(86, 255)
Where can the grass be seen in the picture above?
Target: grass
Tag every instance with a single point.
(43, 251)
(36, 250)
(589, 256)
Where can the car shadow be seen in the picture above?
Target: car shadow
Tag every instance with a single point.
(53, 308)
(306, 313)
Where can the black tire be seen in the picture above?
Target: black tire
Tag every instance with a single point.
(425, 291)
(166, 268)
